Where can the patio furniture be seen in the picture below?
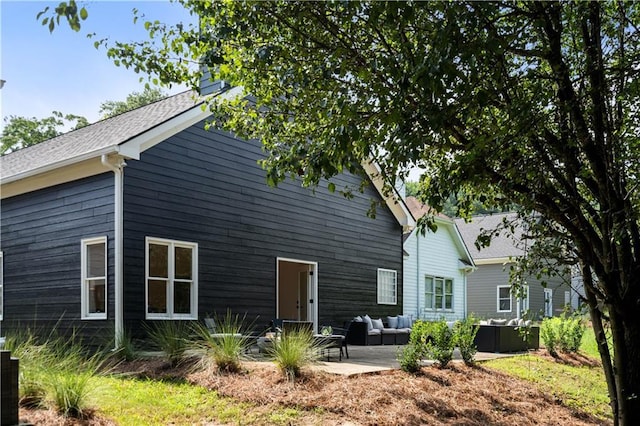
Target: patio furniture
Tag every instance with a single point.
(505, 338)
(328, 342)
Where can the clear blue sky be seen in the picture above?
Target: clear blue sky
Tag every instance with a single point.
(62, 71)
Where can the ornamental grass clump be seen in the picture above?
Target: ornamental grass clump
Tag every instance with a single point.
(54, 373)
(226, 345)
(292, 351)
(172, 338)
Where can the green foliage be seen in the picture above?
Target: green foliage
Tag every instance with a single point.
(563, 333)
(432, 339)
(409, 357)
(292, 351)
(70, 391)
(464, 333)
(54, 372)
(580, 387)
(171, 337)
(440, 347)
(134, 100)
(227, 346)
(22, 132)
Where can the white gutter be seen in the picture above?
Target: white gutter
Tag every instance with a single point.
(116, 164)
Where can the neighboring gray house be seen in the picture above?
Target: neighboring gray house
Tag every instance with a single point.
(488, 290)
(148, 216)
(436, 266)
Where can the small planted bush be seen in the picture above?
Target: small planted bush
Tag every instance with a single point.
(172, 338)
(440, 347)
(293, 351)
(562, 334)
(410, 356)
(464, 333)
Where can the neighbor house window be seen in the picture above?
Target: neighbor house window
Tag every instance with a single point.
(387, 287)
(438, 293)
(504, 298)
(172, 279)
(94, 278)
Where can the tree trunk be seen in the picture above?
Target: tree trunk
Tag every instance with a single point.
(626, 365)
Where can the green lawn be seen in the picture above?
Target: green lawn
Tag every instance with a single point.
(149, 402)
(583, 387)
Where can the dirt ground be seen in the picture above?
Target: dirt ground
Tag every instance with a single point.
(459, 395)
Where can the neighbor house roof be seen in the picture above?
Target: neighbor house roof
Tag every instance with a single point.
(502, 247)
(94, 139)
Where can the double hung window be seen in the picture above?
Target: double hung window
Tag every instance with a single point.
(171, 279)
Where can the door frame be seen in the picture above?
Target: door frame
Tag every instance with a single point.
(312, 307)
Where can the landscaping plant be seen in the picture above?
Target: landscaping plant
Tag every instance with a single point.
(563, 333)
(292, 351)
(464, 333)
(226, 347)
(410, 356)
(172, 338)
(440, 347)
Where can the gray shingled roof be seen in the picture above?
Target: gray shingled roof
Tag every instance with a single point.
(96, 137)
(501, 246)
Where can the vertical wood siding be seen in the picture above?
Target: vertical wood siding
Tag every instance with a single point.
(207, 187)
(41, 233)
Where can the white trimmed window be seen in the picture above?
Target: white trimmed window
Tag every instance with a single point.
(1, 286)
(387, 287)
(93, 261)
(504, 298)
(438, 293)
(171, 279)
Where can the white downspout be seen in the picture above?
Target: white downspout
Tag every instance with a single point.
(417, 234)
(117, 165)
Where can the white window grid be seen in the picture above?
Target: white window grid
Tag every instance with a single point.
(387, 287)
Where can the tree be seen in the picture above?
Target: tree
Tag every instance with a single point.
(21, 132)
(526, 103)
(134, 100)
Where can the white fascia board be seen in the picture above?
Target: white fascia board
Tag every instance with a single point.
(66, 162)
(460, 243)
(134, 147)
(393, 200)
(494, 261)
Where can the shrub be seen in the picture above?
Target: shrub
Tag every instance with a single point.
(227, 347)
(562, 334)
(440, 347)
(464, 333)
(171, 337)
(410, 356)
(549, 335)
(292, 351)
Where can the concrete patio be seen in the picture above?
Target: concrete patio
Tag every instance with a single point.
(369, 359)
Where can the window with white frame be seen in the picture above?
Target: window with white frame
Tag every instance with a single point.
(93, 261)
(504, 298)
(171, 279)
(1, 286)
(438, 293)
(387, 287)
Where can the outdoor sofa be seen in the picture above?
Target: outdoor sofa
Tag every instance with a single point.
(506, 336)
(363, 330)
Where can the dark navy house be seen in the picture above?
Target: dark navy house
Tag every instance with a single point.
(148, 216)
